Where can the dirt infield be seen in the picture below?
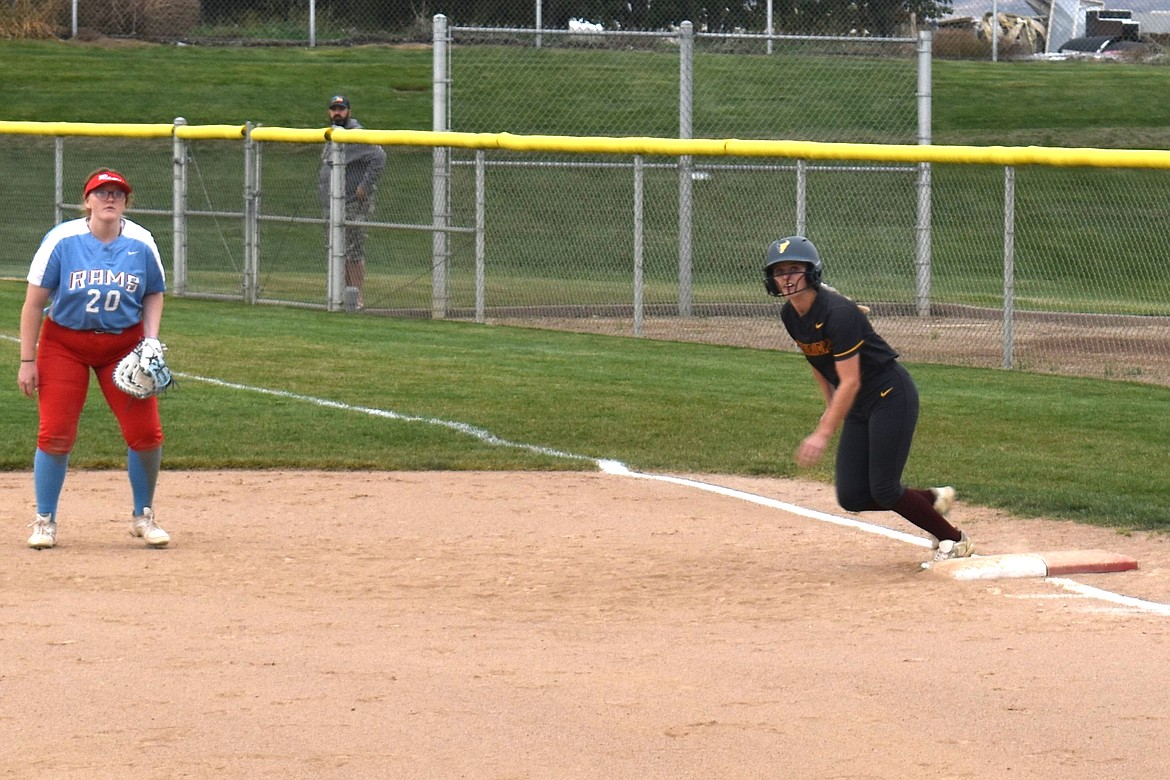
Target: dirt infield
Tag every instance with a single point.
(568, 625)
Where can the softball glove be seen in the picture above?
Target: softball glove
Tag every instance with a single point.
(144, 372)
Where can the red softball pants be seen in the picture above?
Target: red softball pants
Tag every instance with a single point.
(64, 359)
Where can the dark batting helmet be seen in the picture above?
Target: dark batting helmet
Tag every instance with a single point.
(793, 249)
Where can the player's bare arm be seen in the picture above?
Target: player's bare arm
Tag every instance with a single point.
(840, 401)
(31, 315)
(152, 307)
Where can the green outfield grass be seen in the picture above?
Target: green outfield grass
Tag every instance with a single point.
(1015, 103)
(1083, 449)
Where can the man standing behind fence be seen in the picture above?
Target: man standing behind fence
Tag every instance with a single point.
(363, 167)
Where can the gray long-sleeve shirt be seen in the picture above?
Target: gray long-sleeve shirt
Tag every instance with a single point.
(363, 167)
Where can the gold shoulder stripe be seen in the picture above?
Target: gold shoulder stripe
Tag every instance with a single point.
(849, 351)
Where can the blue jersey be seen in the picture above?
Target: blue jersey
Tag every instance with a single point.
(96, 286)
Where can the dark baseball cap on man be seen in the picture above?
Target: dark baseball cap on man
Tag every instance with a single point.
(339, 101)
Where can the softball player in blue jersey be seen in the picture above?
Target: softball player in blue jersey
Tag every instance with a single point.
(95, 289)
(868, 395)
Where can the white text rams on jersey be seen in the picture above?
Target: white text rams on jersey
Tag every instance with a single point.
(104, 278)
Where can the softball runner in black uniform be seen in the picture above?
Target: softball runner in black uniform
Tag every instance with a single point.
(869, 396)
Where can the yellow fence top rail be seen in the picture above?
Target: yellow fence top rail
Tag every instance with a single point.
(211, 132)
(667, 147)
(87, 129)
(290, 135)
(804, 150)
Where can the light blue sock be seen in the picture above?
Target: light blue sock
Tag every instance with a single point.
(143, 467)
(48, 479)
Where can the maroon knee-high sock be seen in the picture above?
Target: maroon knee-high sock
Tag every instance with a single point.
(927, 494)
(919, 510)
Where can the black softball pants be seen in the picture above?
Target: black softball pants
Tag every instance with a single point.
(875, 442)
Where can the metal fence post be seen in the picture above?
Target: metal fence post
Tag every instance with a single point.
(802, 197)
(639, 242)
(995, 31)
(58, 180)
(769, 26)
(336, 283)
(257, 183)
(480, 224)
(1009, 264)
(685, 181)
(251, 217)
(179, 211)
(440, 173)
(922, 258)
(312, 22)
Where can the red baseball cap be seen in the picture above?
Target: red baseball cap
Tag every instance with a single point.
(106, 177)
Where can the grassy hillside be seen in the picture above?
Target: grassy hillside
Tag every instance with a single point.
(1015, 102)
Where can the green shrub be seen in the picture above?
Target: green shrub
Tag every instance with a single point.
(141, 18)
(30, 19)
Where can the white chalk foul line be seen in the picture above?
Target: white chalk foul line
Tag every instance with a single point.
(605, 465)
(620, 469)
(479, 433)
(614, 467)
(1113, 598)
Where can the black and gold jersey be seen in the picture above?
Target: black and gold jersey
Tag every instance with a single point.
(835, 329)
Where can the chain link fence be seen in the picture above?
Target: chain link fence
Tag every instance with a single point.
(332, 22)
(1041, 268)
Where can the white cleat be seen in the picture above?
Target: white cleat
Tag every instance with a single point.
(145, 527)
(949, 549)
(44, 533)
